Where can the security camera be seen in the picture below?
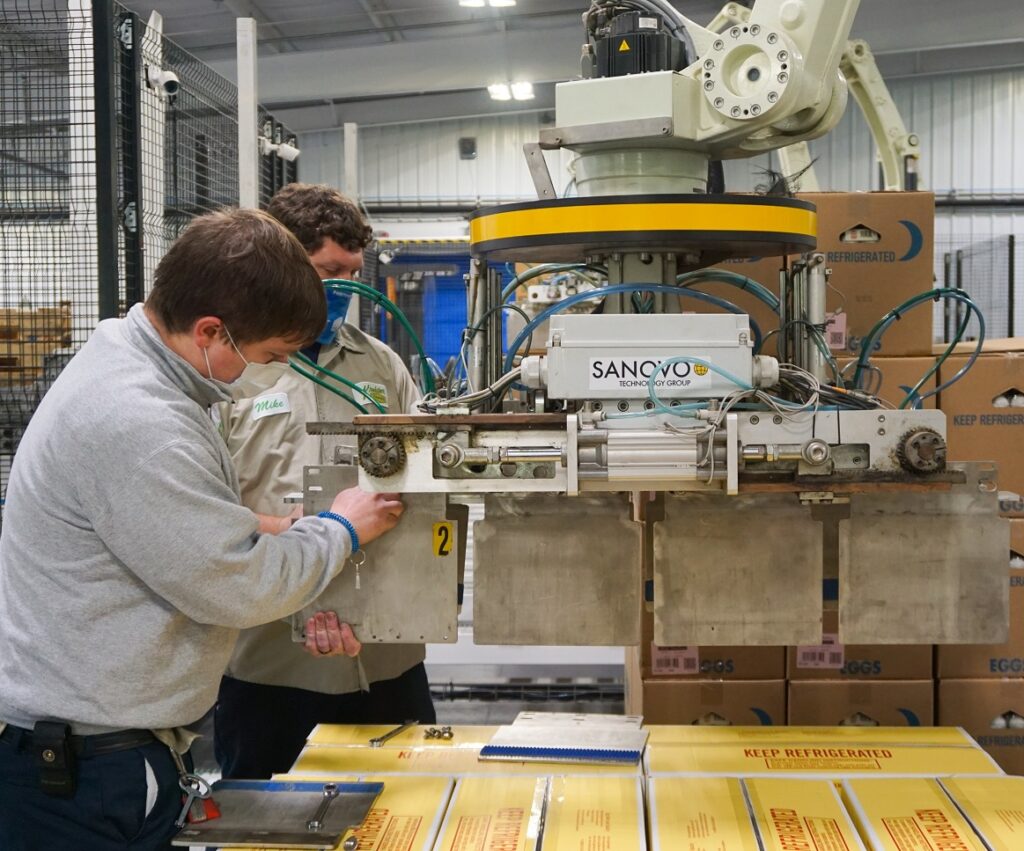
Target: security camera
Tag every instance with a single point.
(165, 83)
(289, 153)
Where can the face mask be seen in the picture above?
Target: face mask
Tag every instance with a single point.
(337, 310)
(250, 383)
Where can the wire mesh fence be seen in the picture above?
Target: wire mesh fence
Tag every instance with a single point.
(112, 139)
(988, 269)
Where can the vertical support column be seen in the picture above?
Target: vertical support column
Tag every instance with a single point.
(130, 37)
(947, 308)
(1011, 283)
(350, 178)
(105, 112)
(248, 146)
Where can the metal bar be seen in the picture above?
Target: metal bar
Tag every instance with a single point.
(538, 166)
(1011, 275)
(960, 308)
(106, 103)
(947, 305)
(350, 153)
(248, 118)
(131, 165)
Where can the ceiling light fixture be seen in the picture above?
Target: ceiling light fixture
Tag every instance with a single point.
(522, 91)
(480, 4)
(499, 91)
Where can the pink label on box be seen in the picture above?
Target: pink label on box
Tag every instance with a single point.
(828, 654)
(674, 661)
(835, 330)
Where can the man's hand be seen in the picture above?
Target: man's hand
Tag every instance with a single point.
(325, 636)
(372, 514)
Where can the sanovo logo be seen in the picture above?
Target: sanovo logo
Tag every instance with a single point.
(916, 240)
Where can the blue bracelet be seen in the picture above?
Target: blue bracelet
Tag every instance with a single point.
(344, 521)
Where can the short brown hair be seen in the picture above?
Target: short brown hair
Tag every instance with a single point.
(243, 267)
(314, 212)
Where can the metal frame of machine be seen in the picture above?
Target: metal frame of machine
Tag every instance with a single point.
(749, 478)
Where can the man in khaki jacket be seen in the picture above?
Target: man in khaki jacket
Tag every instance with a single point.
(274, 692)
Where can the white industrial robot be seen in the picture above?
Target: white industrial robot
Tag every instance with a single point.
(650, 454)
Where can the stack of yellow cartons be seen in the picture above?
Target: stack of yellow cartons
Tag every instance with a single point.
(27, 335)
(981, 687)
(704, 685)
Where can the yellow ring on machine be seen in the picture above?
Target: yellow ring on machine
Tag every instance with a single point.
(571, 229)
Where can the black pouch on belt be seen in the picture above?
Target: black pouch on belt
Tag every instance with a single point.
(55, 756)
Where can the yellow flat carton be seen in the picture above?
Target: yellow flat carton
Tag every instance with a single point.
(450, 762)
(688, 734)
(908, 815)
(406, 816)
(594, 814)
(994, 805)
(493, 814)
(699, 814)
(359, 735)
(801, 815)
(820, 760)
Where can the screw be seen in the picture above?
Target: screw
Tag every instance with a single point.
(351, 843)
(881, 418)
(856, 459)
(735, 112)
(754, 420)
(783, 56)
(623, 406)
(719, 103)
(735, 32)
(777, 420)
(709, 64)
(773, 97)
(783, 77)
(772, 38)
(755, 109)
(755, 29)
(718, 45)
(709, 85)
(881, 431)
(648, 405)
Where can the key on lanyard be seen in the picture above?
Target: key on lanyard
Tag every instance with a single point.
(198, 801)
(357, 560)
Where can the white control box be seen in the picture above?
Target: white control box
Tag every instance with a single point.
(614, 356)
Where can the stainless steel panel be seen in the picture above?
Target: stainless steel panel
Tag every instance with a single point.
(557, 570)
(925, 568)
(406, 593)
(737, 570)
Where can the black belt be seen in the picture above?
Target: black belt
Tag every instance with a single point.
(86, 746)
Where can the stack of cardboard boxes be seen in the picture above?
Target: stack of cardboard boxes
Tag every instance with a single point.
(981, 687)
(27, 336)
(705, 685)
(879, 248)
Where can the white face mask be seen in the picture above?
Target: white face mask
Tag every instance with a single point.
(254, 378)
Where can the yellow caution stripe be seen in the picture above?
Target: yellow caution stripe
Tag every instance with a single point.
(750, 216)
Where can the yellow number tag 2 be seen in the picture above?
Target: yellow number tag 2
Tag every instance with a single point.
(444, 539)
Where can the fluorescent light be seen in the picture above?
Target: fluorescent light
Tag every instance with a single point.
(522, 91)
(494, 4)
(501, 4)
(473, 4)
(499, 91)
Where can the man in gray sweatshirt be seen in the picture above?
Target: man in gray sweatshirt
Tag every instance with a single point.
(128, 564)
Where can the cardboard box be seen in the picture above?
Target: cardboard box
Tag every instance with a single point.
(979, 661)
(908, 815)
(681, 734)
(712, 663)
(359, 735)
(985, 420)
(800, 814)
(993, 805)
(879, 246)
(817, 761)
(699, 813)
(325, 760)
(898, 377)
(992, 711)
(743, 702)
(831, 660)
(888, 703)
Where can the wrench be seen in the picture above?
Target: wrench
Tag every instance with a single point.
(377, 741)
(317, 822)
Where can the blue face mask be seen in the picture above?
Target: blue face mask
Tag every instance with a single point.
(337, 310)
